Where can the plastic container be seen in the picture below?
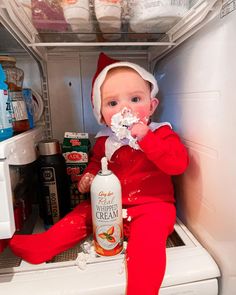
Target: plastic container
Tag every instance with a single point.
(20, 120)
(148, 16)
(76, 12)
(54, 188)
(27, 95)
(6, 130)
(14, 80)
(107, 212)
(108, 14)
(85, 31)
(47, 15)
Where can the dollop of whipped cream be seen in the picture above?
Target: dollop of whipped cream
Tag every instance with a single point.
(120, 123)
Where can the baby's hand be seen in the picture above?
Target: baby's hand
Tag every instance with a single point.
(85, 182)
(139, 130)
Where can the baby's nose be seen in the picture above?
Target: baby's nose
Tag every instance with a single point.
(124, 104)
(125, 110)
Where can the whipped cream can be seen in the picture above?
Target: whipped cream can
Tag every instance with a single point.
(107, 212)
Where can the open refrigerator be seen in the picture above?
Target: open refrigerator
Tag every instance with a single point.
(192, 58)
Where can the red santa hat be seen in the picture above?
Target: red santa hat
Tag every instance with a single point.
(105, 63)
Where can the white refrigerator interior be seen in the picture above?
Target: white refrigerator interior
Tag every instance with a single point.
(197, 86)
(198, 89)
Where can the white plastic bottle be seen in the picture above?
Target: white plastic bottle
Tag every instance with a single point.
(107, 212)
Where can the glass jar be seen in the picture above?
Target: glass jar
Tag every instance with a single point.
(14, 75)
(14, 80)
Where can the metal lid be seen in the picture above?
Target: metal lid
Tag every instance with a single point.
(49, 147)
(7, 58)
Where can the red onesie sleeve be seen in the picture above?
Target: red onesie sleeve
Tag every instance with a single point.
(164, 148)
(97, 153)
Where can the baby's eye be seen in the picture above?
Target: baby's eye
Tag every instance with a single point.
(135, 99)
(112, 103)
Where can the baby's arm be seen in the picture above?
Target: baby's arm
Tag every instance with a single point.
(93, 167)
(165, 149)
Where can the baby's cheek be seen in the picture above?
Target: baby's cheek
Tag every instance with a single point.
(108, 116)
(143, 116)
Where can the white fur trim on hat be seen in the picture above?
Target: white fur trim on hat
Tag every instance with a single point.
(102, 75)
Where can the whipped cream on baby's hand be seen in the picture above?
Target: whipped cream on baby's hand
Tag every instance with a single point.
(121, 123)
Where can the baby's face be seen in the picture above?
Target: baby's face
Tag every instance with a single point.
(125, 88)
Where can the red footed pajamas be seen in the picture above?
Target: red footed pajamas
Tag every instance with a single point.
(147, 194)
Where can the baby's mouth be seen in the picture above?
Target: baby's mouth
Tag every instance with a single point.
(123, 120)
(121, 123)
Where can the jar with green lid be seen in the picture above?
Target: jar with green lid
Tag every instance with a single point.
(14, 75)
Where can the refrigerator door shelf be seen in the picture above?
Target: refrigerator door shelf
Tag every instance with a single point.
(190, 270)
(21, 149)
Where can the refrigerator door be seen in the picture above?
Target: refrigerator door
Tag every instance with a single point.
(7, 224)
(18, 150)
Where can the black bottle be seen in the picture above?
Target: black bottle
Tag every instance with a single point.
(54, 187)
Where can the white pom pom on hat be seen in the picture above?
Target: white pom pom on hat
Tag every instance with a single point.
(105, 63)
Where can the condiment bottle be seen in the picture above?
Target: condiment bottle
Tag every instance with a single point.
(54, 187)
(14, 79)
(107, 212)
(6, 130)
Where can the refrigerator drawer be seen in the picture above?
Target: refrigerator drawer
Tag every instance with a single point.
(190, 270)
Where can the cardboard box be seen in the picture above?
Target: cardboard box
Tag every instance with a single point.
(75, 149)
(76, 140)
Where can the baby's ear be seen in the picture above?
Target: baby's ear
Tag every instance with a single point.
(154, 104)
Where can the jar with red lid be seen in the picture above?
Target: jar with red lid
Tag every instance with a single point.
(14, 80)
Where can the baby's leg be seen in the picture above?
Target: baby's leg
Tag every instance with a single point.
(66, 233)
(146, 252)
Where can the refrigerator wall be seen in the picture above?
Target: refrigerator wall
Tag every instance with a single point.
(197, 83)
(69, 82)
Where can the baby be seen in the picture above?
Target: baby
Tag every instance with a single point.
(143, 156)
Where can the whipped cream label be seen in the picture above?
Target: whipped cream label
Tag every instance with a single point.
(107, 215)
(106, 209)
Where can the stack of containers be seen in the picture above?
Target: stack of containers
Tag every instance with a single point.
(75, 148)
